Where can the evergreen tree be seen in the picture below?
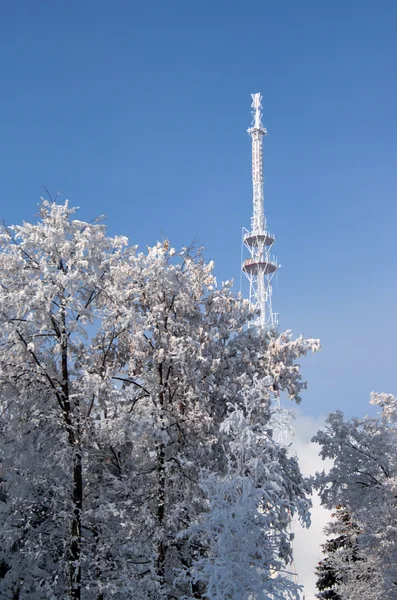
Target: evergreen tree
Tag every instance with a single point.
(340, 550)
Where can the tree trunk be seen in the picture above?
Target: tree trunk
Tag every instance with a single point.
(75, 545)
(73, 428)
(161, 545)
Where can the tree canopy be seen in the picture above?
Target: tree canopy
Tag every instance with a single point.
(136, 412)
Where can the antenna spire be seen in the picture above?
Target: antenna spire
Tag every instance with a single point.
(257, 114)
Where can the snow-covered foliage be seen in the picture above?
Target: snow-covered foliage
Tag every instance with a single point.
(135, 412)
(343, 572)
(249, 548)
(363, 479)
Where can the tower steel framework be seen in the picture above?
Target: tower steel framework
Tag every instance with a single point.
(261, 265)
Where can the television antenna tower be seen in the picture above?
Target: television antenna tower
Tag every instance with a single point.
(261, 265)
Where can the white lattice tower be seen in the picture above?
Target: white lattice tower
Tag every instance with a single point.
(261, 265)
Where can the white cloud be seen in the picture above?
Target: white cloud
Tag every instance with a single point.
(307, 544)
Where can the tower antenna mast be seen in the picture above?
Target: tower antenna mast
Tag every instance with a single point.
(261, 265)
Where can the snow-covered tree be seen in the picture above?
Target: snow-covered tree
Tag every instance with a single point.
(56, 278)
(251, 503)
(133, 402)
(338, 570)
(364, 480)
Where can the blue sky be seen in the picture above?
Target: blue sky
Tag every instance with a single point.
(139, 110)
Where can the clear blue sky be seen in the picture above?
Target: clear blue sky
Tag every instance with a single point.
(139, 110)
